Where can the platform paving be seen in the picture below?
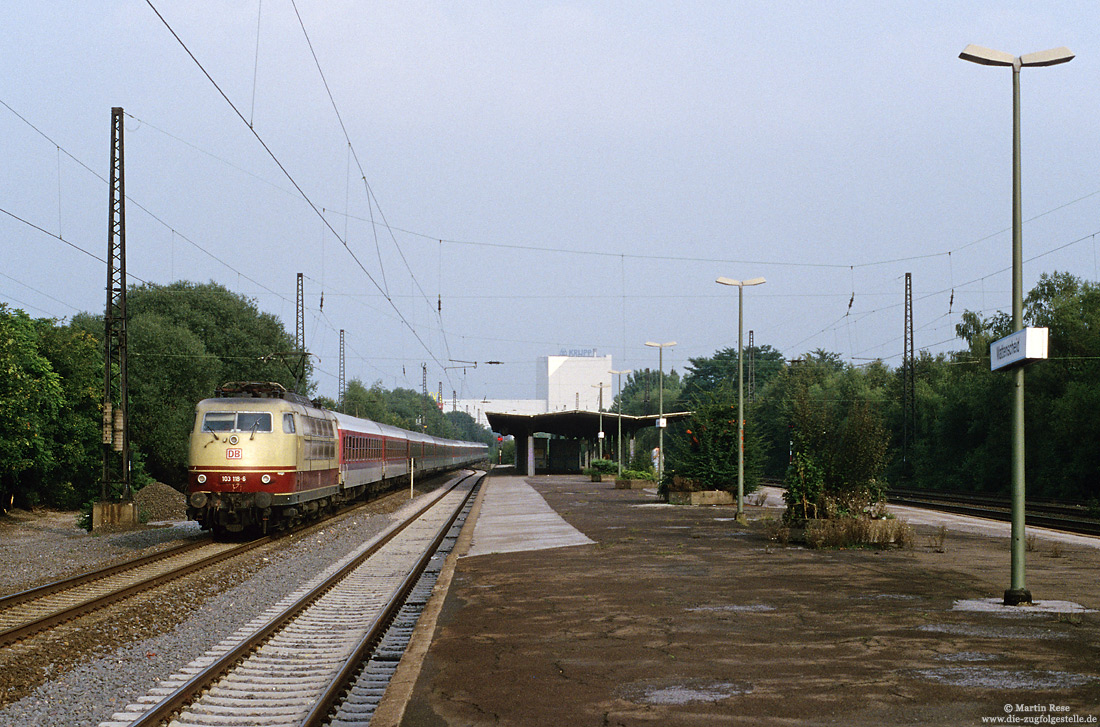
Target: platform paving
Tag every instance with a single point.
(681, 616)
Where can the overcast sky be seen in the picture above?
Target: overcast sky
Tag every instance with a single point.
(552, 175)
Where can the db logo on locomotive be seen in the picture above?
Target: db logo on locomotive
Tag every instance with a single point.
(234, 453)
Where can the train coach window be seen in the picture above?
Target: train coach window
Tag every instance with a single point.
(288, 423)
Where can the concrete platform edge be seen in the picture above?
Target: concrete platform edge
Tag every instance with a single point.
(391, 710)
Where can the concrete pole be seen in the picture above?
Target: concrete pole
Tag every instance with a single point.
(740, 404)
(660, 415)
(1017, 592)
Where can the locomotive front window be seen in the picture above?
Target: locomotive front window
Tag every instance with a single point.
(219, 421)
(253, 422)
(228, 421)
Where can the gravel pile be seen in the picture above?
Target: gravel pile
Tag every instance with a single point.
(159, 502)
(88, 692)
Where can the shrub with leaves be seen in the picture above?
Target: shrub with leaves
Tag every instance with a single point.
(705, 449)
(805, 483)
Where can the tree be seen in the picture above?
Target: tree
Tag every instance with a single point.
(72, 477)
(30, 398)
(705, 448)
(184, 340)
(706, 374)
(837, 425)
(640, 391)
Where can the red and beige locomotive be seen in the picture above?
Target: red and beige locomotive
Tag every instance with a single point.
(264, 457)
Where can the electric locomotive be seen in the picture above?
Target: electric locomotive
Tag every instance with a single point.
(264, 457)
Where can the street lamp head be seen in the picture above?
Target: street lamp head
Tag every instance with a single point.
(987, 56)
(740, 283)
(1050, 57)
(660, 345)
(990, 57)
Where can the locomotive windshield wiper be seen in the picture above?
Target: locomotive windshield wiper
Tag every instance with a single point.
(215, 439)
(255, 426)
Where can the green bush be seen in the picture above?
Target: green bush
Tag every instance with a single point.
(805, 487)
(84, 516)
(636, 475)
(604, 466)
(641, 460)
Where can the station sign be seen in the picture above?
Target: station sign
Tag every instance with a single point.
(1022, 347)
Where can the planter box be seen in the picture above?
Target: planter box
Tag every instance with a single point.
(634, 484)
(702, 497)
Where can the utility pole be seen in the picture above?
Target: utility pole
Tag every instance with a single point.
(342, 382)
(424, 397)
(300, 336)
(908, 381)
(752, 369)
(116, 435)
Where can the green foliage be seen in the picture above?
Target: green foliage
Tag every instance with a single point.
(964, 410)
(707, 374)
(84, 515)
(805, 483)
(705, 448)
(641, 460)
(640, 397)
(836, 421)
(508, 452)
(71, 474)
(648, 475)
(31, 395)
(604, 466)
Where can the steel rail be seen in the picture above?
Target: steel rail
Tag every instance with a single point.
(186, 693)
(1068, 517)
(1079, 525)
(60, 616)
(333, 694)
(80, 579)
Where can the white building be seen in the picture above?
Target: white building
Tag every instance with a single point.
(572, 383)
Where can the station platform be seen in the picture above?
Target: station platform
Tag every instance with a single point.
(574, 603)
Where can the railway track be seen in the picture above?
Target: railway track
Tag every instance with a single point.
(1068, 517)
(28, 612)
(32, 611)
(296, 663)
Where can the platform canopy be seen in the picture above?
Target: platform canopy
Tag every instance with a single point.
(577, 424)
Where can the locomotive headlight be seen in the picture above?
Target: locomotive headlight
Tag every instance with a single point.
(201, 479)
(234, 439)
(266, 479)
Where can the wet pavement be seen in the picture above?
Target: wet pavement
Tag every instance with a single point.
(680, 616)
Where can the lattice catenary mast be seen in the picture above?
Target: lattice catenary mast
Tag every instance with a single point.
(116, 435)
